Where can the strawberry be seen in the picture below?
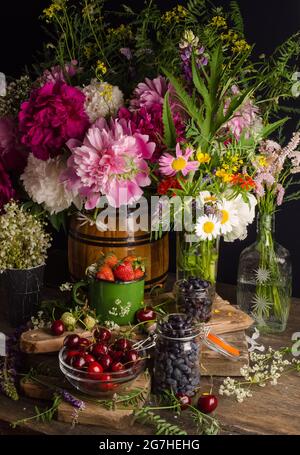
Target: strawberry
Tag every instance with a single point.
(138, 273)
(110, 259)
(124, 271)
(130, 259)
(105, 273)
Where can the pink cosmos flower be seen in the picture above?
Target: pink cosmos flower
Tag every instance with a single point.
(111, 162)
(6, 189)
(12, 153)
(53, 115)
(170, 165)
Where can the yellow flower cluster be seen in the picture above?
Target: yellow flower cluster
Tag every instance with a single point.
(50, 12)
(203, 158)
(219, 22)
(229, 166)
(262, 161)
(123, 31)
(101, 67)
(224, 175)
(177, 14)
(88, 50)
(106, 92)
(232, 39)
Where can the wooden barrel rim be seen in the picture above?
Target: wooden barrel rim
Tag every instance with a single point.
(128, 241)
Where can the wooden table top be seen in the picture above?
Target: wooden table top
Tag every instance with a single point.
(271, 410)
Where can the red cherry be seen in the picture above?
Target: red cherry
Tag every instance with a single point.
(57, 327)
(117, 366)
(71, 341)
(131, 356)
(106, 361)
(78, 362)
(70, 355)
(185, 401)
(99, 349)
(122, 344)
(88, 358)
(84, 343)
(95, 371)
(146, 314)
(207, 403)
(105, 384)
(102, 334)
(115, 355)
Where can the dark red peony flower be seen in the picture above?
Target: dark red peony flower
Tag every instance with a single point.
(53, 115)
(12, 152)
(166, 184)
(6, 189)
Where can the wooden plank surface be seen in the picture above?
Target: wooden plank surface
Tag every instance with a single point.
(271, 410)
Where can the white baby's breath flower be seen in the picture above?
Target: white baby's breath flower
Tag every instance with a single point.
(102, 100)
(64, 287)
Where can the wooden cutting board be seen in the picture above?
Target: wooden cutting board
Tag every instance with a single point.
(226, 318)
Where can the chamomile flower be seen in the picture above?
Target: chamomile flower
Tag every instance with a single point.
(205, 197)
(228, 216)
(207, 227)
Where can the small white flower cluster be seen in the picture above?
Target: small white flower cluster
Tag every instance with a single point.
(263, 369)
(102, 100)
(64, 287)
(120, 309)
(111, 325)
(23, 240)
(39, 321)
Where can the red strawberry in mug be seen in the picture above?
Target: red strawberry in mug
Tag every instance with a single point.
(124, 271)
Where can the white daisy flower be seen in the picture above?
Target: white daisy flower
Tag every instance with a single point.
(229, 215)
(207, 227)
(205, 197)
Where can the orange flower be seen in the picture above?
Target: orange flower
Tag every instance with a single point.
(243, 180)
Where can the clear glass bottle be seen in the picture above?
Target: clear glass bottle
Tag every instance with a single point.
(194, 299)
(177, 355)
(265, 279)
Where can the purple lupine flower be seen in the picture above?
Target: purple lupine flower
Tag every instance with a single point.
(189, 45)
(69, 398)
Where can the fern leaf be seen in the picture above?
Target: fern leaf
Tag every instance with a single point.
(168, 122)
(237, 17)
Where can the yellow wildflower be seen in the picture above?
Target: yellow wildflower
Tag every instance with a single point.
(177, 14)
(219, 22)
(101, 67)
(50, 12)
(224, 175)
(262, 161)
(240, 46)
(203, 158)
(88, 50)
(106, 91)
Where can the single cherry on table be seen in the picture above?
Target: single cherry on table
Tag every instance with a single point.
(207, 403)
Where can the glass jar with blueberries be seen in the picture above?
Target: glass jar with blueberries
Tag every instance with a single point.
(177, 355)
(194, 298)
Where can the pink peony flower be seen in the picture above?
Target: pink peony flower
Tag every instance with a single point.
(170, 165)
(111, 162)
(53, 115)
(12, 153)
(6, 189)
(149, 94)
(57, 73)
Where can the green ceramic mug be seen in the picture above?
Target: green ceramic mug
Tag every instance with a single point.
(117, 302)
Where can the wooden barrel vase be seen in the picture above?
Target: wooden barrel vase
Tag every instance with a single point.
(86, 242)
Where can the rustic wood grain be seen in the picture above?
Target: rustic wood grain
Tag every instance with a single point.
(41, 340)
(85, 244)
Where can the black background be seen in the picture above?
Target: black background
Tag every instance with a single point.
(267, 23)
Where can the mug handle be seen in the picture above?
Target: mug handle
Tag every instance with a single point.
(76, 286)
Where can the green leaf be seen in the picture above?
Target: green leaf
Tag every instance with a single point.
(236, 102)
(200, 85)
(58, 220)
(268, 129)
(215, 73)
(169, 127)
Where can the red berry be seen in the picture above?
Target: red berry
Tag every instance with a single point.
(207, 403)
(122, 344)
(72, 341)
(57, 327)
(124, 271)
(116, 355)
(106, 361)
(105, 273)
(88, 358)
(146, 314)
(95, 371)
(70, 355)
(99, 349)
(102, 334)
(117, 366)
(185, 400)
(131, 356)
(105, 384)
(78, 362)
(84, 343)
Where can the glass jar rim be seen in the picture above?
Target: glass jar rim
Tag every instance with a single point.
(196, 291)
(189, 334)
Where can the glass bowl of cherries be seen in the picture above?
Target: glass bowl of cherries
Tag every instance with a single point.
(102, 366)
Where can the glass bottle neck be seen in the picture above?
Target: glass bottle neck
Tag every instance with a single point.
(265, 226)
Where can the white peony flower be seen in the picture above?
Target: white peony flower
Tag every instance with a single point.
(42, 182)
(102, 100)
(246, 214)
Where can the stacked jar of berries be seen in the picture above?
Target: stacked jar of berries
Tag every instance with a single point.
(177, 362)
(194, 298)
